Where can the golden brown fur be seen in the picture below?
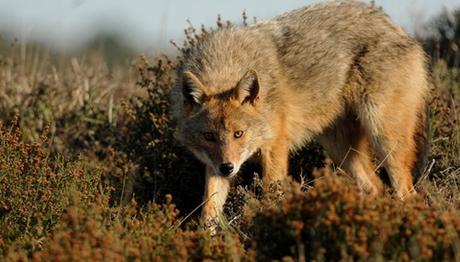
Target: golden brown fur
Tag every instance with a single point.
(340, 72)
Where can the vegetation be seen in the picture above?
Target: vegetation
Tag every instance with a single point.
(90, 170)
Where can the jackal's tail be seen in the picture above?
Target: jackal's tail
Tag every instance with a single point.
(422, 142)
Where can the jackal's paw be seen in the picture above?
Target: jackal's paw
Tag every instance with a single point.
(370, 190)
(211, 225)
(407, 194)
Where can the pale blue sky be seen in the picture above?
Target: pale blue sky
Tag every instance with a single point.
(148, 25)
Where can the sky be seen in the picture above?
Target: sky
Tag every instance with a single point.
(149, 25)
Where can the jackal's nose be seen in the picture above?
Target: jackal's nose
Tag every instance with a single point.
(226, 168)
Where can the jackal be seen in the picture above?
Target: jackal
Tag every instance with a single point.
(338, 72)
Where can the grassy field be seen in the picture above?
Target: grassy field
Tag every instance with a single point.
(90, 170)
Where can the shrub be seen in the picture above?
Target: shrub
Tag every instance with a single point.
(98, 232)
(334, 221)
(36, 188)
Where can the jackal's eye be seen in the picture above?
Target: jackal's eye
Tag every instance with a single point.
(238, 134)
(209, 136)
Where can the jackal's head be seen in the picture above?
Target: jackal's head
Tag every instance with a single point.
(222, 129)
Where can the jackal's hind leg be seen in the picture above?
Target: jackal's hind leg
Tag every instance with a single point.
(393, 142)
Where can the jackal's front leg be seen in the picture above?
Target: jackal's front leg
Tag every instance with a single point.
(275, 161)
(215, 194)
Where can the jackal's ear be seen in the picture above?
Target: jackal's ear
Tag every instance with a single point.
(192, 89)
(247, 89)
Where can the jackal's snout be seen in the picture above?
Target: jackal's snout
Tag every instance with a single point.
(226, 168)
